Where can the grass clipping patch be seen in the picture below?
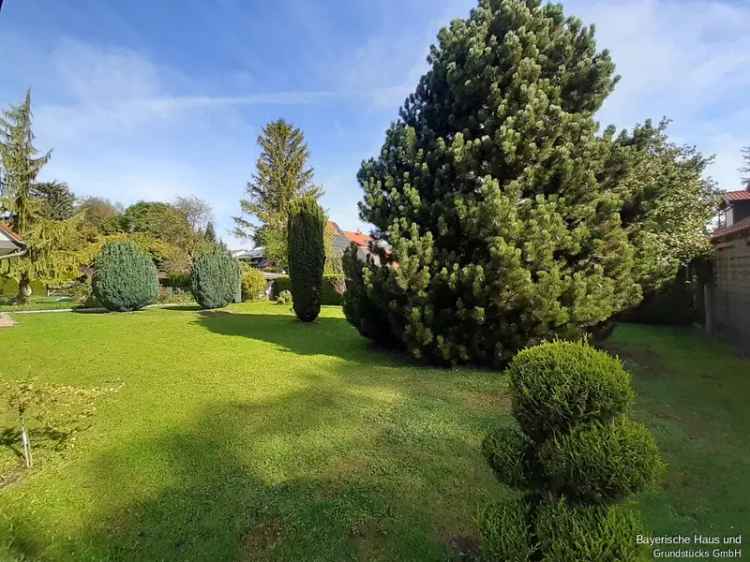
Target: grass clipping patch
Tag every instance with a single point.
(39, 419)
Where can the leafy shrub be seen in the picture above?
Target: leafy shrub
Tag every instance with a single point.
(601, 533)
(171, 295)
(601, 460)
(505, 532)
(215, 279)
(253, 285)
(125, 277)
(178, 281)
(284, 297)
(576, 454)
(8, 287)
(305, 229)
(560, 383)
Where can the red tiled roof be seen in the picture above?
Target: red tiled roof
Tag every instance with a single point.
(360, 239)
(5, 229)
(741, 195)
(736, 228)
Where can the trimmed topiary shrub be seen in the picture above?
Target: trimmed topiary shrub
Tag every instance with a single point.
(307, 257)
(215, 281)
(253, 285)
(574, 455)
(125, 277)
(505, 531)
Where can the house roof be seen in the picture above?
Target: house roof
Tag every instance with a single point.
(736, 228)
(5, 229)
(741, 195)
(360, 239)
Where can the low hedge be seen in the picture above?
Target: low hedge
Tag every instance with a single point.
(332, 291)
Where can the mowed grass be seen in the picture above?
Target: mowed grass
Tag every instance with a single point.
(242, 434)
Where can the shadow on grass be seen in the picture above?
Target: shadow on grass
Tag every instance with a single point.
(325, 336)
(255, 481)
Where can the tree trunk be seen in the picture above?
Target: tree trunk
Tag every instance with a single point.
(24, 289)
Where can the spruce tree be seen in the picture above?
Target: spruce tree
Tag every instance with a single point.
(745, 169)
(282, 175)
(306, 256)
(487, 190)
(210, 234)
(56, 248)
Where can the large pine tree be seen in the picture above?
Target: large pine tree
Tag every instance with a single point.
(56, 248)
(282, 175)
(488, 191)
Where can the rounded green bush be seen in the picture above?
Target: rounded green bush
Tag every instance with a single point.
(8, 287)
(597, 533)
(596, 462)
(505, 532)
(215, 280)
(125, 277)
(506, 450)
(558, 384)
(284, 297)
(253, 285)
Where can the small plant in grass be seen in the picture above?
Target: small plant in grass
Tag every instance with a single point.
(216, 279)
(306, 236)
(48, 412)
(573, 457)
(284, 297)
(125, 277)
(253, 285)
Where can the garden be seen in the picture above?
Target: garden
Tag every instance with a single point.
(469, 382)
(243, 434)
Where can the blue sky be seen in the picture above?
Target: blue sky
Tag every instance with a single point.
(152, 99)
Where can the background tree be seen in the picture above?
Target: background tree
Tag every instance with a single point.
(745, 170)
(487, 191)
(101, 215)
(667, 201)
(57, 248)
(282, 175)
(58, 201)
(210, 233)
(197, 212)
(306, 255)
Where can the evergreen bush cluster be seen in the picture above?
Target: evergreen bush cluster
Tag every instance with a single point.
(216, 279)
(125, 277)
(253, 285)
(306, 235)
(573, 455)
(492, 191)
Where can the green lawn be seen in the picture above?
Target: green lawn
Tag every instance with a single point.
(244, 435)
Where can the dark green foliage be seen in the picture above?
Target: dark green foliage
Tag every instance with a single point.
(505, 531)
(676, 302)
(559, 384)
(488, 190)
(178, 281)
(56, 198)
(362, 305)
(576, 454)
(601, 461)
(306, 256)
(216, 279)
(124, 277)
(253, 285)
(507, 452)
(595, 533)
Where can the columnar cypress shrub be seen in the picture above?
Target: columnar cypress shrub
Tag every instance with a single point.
(488, 191)
(306, 256)
(574, 454)
(125, 277)
(215, 280)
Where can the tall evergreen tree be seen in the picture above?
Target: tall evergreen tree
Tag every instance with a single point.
(745, 170)
(210, 234)
(487, 191)
(58, 202)
(306, 256)
(282, 175)
(56, 247)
